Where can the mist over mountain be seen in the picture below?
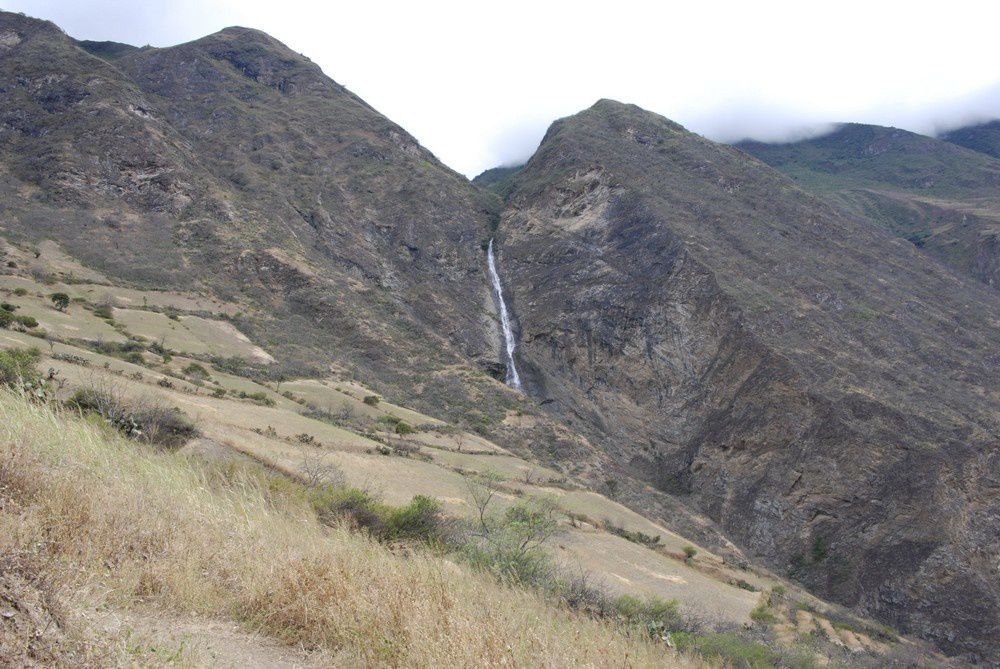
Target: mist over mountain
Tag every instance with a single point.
(942, 197)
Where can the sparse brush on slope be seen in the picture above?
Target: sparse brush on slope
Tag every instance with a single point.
(139, 419)
(133, 526)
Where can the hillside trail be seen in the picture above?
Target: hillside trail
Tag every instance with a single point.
(196, 641)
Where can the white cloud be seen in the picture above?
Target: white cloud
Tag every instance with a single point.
(477, 83)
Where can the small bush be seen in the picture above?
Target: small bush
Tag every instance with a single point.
(60, 301)
(655, 615)
(403, 428)
(7, 306)
(104, 311)
(27, 321)
(529, 567)
(17, 371)
(635, 536)
(729, 647)
(72, 359)
(820, 549)
(762, 614)
(260, 397)
(197, 371)
(386, 421)
(372, 400)
(134, 357)
(140, 420)
(420, 519)
(510, 544)
(356, 507)
(690, 552)
(6, 318)
(20, 292)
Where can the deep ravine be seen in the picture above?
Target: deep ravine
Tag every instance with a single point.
(513, 379)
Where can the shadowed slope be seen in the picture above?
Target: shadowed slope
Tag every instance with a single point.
(821, 389)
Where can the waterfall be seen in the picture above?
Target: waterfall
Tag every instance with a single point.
(513, 380)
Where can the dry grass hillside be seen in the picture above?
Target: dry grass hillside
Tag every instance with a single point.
(97, 526)
(270, 510)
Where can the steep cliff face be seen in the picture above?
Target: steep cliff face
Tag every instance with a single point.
(819, 388)
(234, 164)
(943, 198)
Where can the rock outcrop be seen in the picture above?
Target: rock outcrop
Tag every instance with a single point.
(819, 388)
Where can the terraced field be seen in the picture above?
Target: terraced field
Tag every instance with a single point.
(335, 424)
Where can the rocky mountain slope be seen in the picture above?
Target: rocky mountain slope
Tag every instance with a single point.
(823, 390)
(233, 164)
(234, 167)
(695, 330)
(943, 198)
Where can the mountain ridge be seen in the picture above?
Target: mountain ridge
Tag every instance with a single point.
(940, 196)
(699, 286)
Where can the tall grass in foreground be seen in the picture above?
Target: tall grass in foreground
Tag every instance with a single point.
(113, 523)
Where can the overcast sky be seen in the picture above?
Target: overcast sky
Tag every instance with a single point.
(478, 83)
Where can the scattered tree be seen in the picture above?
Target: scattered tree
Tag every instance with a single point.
(316, 471)
(60, 301)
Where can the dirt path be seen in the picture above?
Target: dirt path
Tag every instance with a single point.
(209, 643)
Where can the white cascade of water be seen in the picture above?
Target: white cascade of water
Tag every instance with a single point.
(513, 379)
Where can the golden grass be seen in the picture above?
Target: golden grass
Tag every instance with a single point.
(119, 526)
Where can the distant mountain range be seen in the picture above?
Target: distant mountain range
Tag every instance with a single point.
(983, 137)
(943, 198)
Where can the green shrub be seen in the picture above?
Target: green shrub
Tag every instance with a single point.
(60, 300)
(6, 318)
(135, 357)
(356, 507)
(654, 614)
(510, 544)
(20, 292)
(196, 370)
(17, 370)
(104, 311)
(525, 567)
(218, 392)
(404, 428)
(635, 536)
(820, 549)
(27, 321)
(260, 397)
(690, 552)
(762, 614)
(372, 400)
(140, 420)
(420, 519)
(730, 648)
(7, 306)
